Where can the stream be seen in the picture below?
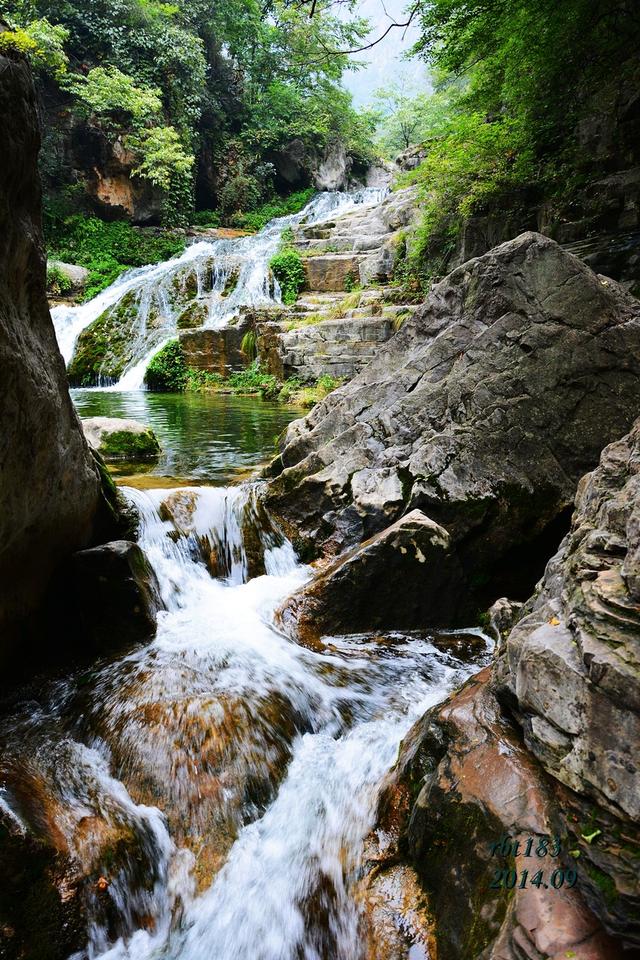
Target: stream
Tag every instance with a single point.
(222, 778)
(215, 787)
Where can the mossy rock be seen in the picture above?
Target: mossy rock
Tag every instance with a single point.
(232, 282)
(193, 316)
(105, 348)
(121, 440)
(185, 284)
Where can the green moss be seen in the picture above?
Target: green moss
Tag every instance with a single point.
(194, 315)
(231, 284)
(104, 348)
(604, 883)
(126, 445)
(167, 370)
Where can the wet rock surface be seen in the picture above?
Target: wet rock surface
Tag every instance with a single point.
(464, 780)
(374, 586)
(488, 406)
(570, 673)
(42, 914)
(117, 597)
(216, 351)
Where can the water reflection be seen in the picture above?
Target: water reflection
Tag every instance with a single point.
(205, 438)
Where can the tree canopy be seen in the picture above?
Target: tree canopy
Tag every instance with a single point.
(232, 79)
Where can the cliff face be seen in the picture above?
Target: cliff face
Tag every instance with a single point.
(77, 152)
(50, 488)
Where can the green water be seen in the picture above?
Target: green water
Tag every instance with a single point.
(205, 438)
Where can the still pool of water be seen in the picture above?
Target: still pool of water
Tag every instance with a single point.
(205, 438)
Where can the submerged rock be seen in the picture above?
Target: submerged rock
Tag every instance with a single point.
(488, 405)
(116, 596)
(121, 439)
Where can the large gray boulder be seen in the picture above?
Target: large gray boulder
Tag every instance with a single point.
(570, 671)
(50, 489)
(373, 587)
(487, 407)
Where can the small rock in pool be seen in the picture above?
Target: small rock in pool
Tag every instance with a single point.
(119, 439)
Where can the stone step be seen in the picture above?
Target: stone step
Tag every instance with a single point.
(343, 244)
(332, 272)
(342, 331)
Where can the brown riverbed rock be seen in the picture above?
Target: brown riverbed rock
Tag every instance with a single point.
(487, 406)
(464, 780)
(42, 910)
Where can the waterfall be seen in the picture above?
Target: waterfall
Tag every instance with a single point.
(209, 268)
(232, 774)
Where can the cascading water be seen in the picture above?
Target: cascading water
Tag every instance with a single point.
(208, 266)
(221, 780)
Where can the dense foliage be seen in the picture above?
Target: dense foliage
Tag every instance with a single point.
(513, 81)
(169, 373)
(288, 269)
(167, 370)
(204, 94)
(107, 249)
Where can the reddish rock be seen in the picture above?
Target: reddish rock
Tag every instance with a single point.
(464, 780)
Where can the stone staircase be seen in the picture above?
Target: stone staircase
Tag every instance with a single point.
(307, 343)
(333, 329)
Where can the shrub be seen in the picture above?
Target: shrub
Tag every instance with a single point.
(288, 270)
(351, 283)
(108, 249)
(206, 218)
(58, 283)
(42, 43)
(252, 380)
(167, 372)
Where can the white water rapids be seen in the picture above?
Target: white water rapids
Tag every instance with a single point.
(213, 263)
(215, 787)
(231, 773)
